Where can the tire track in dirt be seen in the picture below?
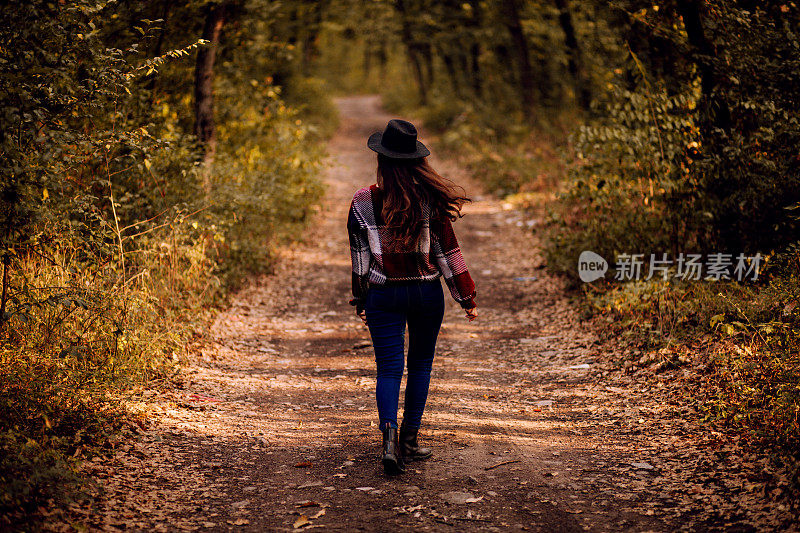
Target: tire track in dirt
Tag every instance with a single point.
(276, 418)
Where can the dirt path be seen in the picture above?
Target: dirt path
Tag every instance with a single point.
(531, 428)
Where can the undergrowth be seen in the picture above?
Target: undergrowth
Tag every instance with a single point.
(118, 240)
(508, 155)
(600, 196)
(742, 338)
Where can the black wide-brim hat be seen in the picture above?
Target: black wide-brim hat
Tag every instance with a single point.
(398, 141)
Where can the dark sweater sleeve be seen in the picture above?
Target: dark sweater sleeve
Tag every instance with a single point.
(447, 254)
(360, 258)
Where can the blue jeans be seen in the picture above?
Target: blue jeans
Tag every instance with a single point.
(389, 308)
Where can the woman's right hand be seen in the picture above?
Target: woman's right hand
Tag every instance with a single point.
(472, 314)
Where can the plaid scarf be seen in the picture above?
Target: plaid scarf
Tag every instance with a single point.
(378, 259)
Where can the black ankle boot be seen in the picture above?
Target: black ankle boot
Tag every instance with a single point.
(409, 448)
(391, 457)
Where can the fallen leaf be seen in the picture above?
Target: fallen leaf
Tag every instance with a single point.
(302, 521)
(307, 503)
(303, 464)
(239, 522)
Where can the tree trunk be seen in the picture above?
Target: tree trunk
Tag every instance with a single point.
(426, 51)
(309, 51)
(503, 59)
(475, 48)
(510, 11)
(382, 59)
(416, 65)
(413, 50)
(575, 64)
(475, 69)
(205, 128)
(715, 107)
(367, 65)
(452, 72)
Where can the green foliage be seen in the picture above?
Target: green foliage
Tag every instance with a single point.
(690, 152)
(509, 158)
(265, 179)
(453, 65)
(354, 48)
(697, 165)
(31, 472)
(746, 338)
(414, 52)
(310, 97)
(401, 99)
(444, 115)
(117, 242)
(630, 186)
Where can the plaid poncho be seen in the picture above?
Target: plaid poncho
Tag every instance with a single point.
(377, 258)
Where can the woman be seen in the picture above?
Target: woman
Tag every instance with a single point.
(401, 242)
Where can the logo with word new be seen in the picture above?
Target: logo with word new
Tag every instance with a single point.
(591, 266)
(686, 266)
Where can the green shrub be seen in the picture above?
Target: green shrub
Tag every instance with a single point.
(677, 165)
(117, 242)
(628, 189)
(745, 336)
(506, 157)
(400, 98)
(31, 473)
(311, 97)
(443, 114)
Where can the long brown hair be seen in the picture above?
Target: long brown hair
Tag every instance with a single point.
(407, 185)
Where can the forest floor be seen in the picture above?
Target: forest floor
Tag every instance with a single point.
(273, 427)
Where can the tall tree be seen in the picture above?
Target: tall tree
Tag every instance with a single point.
(510, 13)
(474, 23)
(413, 49)
(205, 128)
(575, 63)
(715, 107)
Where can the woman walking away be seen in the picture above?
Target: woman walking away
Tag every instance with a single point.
(401, 242)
